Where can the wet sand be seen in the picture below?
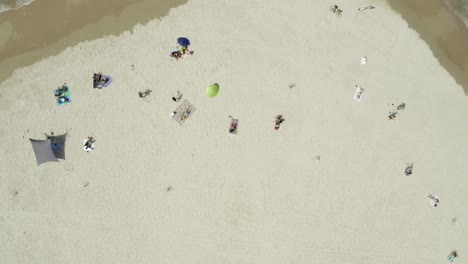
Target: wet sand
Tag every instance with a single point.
(442, 30)
(28, 34)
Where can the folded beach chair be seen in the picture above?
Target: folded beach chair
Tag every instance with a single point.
(62, 95)
(358, 94)
(233, 126)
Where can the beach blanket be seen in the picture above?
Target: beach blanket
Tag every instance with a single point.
(104, 81)
(358, 94)
(62, 95)
(184, 111)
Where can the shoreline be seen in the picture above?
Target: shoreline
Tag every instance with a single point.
(451, 51)
(442, 30)
(26, 41)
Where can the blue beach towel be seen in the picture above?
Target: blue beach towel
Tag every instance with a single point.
(62, 95)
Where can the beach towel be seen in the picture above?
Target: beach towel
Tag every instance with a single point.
(62, 95)
(451, 257)
(233, 126)
(183, 112)
(358, 94)
(108, 78)
(100, 84)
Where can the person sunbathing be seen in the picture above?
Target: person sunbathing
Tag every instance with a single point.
(100, 80)
(409, 170)
(233, 126)
(176, 55)
(89, 143)
(392, 115)
(185, 114)
(434, 199)
(177, 99)
(279, 120)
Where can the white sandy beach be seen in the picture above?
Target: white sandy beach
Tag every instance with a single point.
(260, 196)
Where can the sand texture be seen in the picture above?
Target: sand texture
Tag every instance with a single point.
(155, 191)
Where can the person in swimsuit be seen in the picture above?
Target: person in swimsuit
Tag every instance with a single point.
(89, 143)
(409, 169)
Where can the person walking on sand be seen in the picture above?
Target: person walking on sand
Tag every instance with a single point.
(452, 256)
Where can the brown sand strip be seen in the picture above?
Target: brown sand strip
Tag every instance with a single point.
(45, 28)
(443, 31)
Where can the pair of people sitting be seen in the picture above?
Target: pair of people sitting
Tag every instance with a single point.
(61, 90)
(180, 51)
(278, 120)
(100, 80)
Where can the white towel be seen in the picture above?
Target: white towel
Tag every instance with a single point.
(363, 60)
(87, 149)
(358, 94)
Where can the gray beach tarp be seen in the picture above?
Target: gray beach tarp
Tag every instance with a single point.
(43, 151)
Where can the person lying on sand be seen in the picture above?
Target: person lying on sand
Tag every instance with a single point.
(176, 54)
(100, 80)
(185, 114)
(279, 119)
(184, 50)
(409, 169)
(89, 143)
(177, 99)
(452, 255)
(392, 115)
(233, 126)
(434, 199)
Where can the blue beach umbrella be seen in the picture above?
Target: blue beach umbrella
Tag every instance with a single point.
(184, 42)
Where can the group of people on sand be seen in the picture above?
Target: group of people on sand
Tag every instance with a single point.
(180, 52)
(393, 115)
(434, 199)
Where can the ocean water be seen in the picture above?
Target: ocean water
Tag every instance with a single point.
(460, 8)
(6, 5)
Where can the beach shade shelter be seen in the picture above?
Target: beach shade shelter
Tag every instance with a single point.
(212, 90)
(43, 151)
(184, 42)
(58, 145)
(50, 149)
